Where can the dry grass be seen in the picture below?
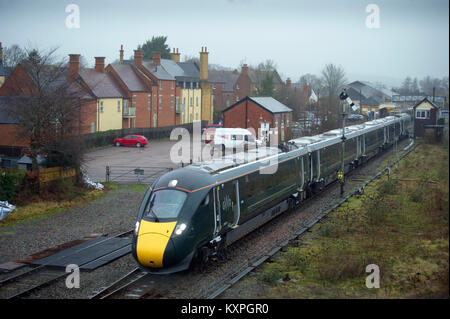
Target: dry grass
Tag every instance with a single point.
(399, 224)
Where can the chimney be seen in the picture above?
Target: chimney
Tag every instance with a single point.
(175, 55)
(244, 69)
(288, 82)
(121, 54)
(100, 63)
(138, 57)
(156, 58)
(204, 64)
(74, 65)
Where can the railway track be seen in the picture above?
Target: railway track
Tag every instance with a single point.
(38, 277)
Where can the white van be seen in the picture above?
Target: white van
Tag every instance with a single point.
(234, 137)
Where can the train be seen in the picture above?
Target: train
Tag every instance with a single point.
(191, 214)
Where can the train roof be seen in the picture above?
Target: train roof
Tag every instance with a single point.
(206, 174)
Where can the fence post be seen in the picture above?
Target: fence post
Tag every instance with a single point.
(107, 173)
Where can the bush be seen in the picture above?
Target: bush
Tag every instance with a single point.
(387, 188)
(10, 185)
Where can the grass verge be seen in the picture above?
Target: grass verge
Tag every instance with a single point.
(400, 224)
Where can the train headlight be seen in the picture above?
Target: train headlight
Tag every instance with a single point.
(180, 228)
(136, 228)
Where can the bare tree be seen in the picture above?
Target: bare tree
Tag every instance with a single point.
(13, 55)
(333, 81)
(47, 107)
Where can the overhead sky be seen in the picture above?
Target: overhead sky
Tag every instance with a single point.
(396, 39)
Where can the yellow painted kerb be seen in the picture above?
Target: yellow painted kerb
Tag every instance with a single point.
(152, 241)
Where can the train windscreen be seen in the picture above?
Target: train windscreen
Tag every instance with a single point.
(165, 204)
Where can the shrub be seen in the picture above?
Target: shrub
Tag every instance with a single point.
(271, 276)
(10, 185)
(387, 188)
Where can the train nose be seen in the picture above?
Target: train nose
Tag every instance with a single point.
(154, 244)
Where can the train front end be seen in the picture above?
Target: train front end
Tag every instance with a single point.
(165, 238)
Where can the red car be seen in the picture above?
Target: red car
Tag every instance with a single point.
(135, 140)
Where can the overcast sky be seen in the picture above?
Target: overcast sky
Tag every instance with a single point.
(300, 36)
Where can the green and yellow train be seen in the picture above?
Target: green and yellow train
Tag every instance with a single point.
(190, 214)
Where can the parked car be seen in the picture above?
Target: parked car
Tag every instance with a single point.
(133, 140)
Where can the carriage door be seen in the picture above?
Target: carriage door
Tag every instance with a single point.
(228, 203)
(315, 166)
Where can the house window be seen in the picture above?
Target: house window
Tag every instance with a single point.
(196, 100)
(149, 102)
(196, 85)
(171, 102)
(228, 100)
(213, 98)
(192, 85)
(101, 106)
(184, 101)
(173, 82)
(214, 86)
(160, 85)
(134, 100)
(118, 106)
(276, 120)
(237, 87)
(237, 98)
(192, 101)
(92, 127)
(287, 120)
(184, 85)
(422, 114)
(160, 102)
(177, 103)
(196, 116)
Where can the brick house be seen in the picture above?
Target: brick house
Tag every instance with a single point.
(250, 81)
(223, 88)
(165, 92)
(137, 104)
(19, 83)
(265, 115)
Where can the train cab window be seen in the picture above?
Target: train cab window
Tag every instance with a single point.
(205, 201)
(165, 204)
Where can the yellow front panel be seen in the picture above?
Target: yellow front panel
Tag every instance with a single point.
(152, 241)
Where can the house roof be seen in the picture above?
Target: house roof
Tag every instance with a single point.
(5, 116)
(181, 71)
(227, 78)
(130, 78)
(271, 105)
(5, 70)
(368, 90)
(158, 71)
(425, 100)
(101, 84)
(268, 103)
(258, 76)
